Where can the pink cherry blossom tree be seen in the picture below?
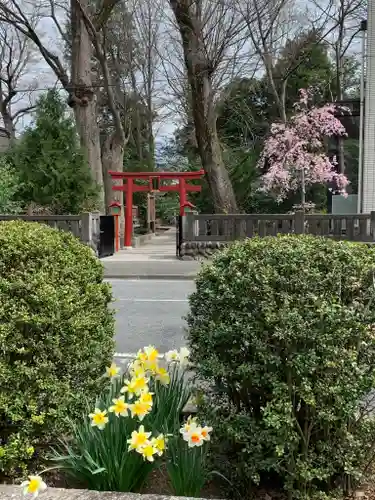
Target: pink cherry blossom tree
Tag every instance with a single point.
(295, 152)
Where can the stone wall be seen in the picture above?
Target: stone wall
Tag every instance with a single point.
(200, 250)
(15, 493)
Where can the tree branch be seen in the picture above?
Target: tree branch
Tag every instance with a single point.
(23, 111)
(17, 19)
(101, 17)
(94, 35)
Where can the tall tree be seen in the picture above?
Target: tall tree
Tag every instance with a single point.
(50, 164)
(294, 153)
(87, 25)
(210, 32)
(147, 19)
(346, 16)
(17, 57)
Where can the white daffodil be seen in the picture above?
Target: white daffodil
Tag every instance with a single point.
(171, 356)
(189, 424)
(194, 437)
(184, 356)
(206, 433)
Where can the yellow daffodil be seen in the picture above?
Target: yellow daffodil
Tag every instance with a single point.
(149, 358)
(148, 451)
(140, 410)
(159, 443)
(136, 386)
(152, 353)
(33, 486)
(194, 437)
(171, 356)
(206, 433)
(139, 438)
(112, 371)
(99, 419)
(141, 356)
(151, 366)
(146, 398)
(162, 375)
(119, 408)
(137, 368)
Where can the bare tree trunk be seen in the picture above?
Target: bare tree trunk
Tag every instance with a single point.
(149, 85)
(278, 96)
(198, 69)
(9, 125)
(150, 138)
(112, 159)
(83, 97)
(138, 139)
(303, 190)
(217, 176)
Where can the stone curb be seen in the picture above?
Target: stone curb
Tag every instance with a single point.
(124, 276)
(15, 492)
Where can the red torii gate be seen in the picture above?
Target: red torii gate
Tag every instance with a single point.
(154, 185)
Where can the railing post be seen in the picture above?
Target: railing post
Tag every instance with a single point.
(188, 226)
(372, 226)
(299, 222)
(86, 227)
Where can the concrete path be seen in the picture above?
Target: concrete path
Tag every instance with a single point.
(150, 312)
(155, 259)
(161, 247)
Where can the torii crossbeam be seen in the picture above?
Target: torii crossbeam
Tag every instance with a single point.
(155, 184)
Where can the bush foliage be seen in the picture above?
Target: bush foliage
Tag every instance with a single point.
(56, 337)
(283, 329)
(9, 186)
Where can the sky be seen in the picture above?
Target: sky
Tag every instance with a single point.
(39, 77)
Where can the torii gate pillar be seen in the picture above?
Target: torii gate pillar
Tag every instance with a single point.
(155, 184)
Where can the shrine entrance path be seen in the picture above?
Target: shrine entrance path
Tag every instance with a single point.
(154, 259)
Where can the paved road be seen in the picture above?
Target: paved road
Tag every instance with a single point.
(150, 312)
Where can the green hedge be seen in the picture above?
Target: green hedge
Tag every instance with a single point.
(283, 330)
(56, 337)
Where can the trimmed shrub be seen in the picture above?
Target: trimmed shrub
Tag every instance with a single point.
(282, 333)
(56, 337)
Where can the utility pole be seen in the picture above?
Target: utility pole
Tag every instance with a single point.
(368, 173)
(361, 117)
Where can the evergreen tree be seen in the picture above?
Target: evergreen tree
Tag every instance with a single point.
(9, 186)
(51, 166)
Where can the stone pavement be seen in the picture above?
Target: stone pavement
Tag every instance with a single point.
(154, 259)
(15, 493)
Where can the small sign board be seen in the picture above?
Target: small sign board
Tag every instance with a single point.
(115, 208)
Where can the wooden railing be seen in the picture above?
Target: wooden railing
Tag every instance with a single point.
(86, 226)
(215, 227)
